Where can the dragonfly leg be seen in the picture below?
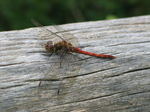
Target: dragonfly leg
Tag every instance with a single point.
(40, 83)
(59, 87)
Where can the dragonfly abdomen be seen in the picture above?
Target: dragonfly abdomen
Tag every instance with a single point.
(77, 50)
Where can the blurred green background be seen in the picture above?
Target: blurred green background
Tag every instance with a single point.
(17, 14)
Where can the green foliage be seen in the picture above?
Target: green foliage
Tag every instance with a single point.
(16, 14)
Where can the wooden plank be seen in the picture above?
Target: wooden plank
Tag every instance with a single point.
(94, 84)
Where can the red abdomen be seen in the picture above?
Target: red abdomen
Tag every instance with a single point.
(77, 50)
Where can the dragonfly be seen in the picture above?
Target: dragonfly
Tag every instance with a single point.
(67, 44)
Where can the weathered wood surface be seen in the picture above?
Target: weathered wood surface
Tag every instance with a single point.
(100, 85)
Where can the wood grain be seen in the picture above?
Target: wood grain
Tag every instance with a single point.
(97, 85)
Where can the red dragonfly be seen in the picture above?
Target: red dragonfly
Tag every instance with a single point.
(65, 46)
(50, 47)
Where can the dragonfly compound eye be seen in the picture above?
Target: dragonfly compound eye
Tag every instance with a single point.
(49, 46)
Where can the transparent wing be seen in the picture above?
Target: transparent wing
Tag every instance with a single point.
(46, 32)
(67, 36)
(61, 70)
(70, 66)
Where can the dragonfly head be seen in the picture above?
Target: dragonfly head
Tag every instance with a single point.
(49, 46)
